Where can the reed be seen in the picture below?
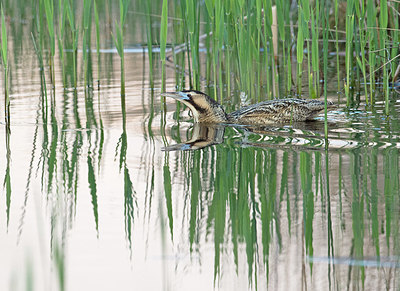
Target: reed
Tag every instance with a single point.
(49, 12)
(373, 44)
(177, 40)
(60, 36)
(119, 40)
(300, 50)
(395, 38)
(336, 7)
(86, 31)
(281, 16)
(163, 40)
(149, 35)
(325, 24)
(267, 37)
(75, 36)
(383, 21)
(239, 31)
(192, 26)
(304, 27)
(96, 20)
(4, 57)
(315, 24)
(241, 42)
(361, 59)
(349, 48)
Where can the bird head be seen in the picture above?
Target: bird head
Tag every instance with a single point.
(204, 108)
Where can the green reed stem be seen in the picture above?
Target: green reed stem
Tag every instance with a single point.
(86, 36)
(96, 19)
(281, 8)
(360, 12)
(337, 44)
(192, 21)
(4, 54)
(395, 35)
(383, 21)
(314, 48)
(325, 23)
(163, 40)
(267, 5)
(75, 35)
(211, 14)
(373, 44)
(349, 53)
(300, 49)
(119, 41)
(60, 36)
(49, 11)
(219, 22)
(149, 35)
(311, 90)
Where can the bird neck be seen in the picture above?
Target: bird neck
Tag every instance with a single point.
(212, 114)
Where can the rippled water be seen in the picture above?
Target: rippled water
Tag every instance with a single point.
(92, 203)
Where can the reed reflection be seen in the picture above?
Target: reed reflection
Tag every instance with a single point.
(260, 206)
(7, 176)
(129, 192)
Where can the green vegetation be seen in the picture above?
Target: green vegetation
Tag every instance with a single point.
(49, 10)
(96, 20)
(4, 57)
(245, 51)
(163, 40)
(119, 40)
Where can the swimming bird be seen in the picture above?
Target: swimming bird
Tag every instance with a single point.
(207, 110)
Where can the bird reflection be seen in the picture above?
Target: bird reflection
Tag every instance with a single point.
(203, 135)
(298, 135)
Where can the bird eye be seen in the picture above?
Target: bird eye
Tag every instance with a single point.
(189, 95)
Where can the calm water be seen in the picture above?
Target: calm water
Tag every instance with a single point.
(90, 202)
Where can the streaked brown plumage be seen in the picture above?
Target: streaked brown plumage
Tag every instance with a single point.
(207, 110)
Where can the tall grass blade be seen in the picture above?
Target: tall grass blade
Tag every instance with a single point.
(325, 23)
(74, 36)
(96, 20)
(4, 55)
(119, 42)
(300, 50)
(149, 35)
(163, 40)
(60, 36)
(372, 40)
(87, 17)
(383, 21)
(4, 44)
(349, 53)
(49, 11)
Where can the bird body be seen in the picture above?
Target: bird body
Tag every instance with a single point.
(207, 110)
(278, 111)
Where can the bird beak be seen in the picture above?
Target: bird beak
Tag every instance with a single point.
(176, 95)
